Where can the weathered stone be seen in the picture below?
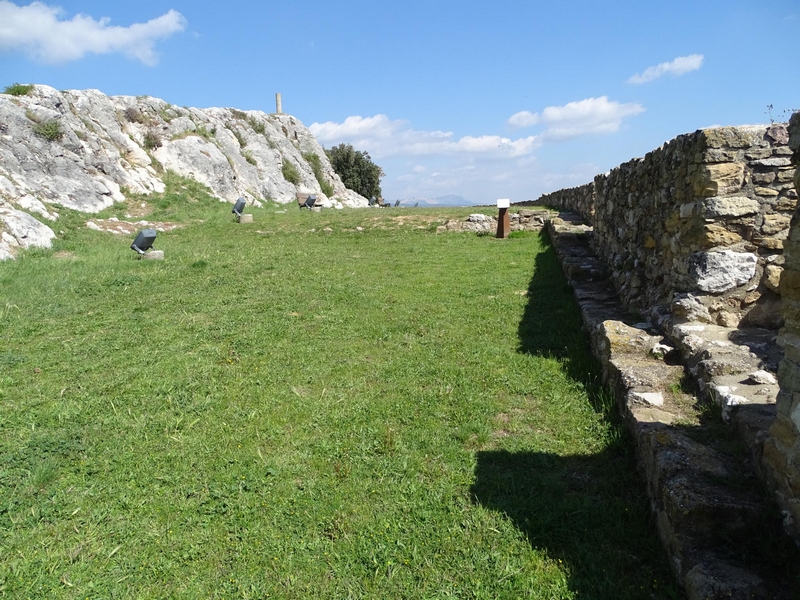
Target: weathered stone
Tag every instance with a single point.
(651, 398)
(721, 179)
(764, 178)
(20, 230)
(773, 162)
(734, 137)
(732, 206)
(716, 235)
(721, 271)
(772, 277)
(775, 223)
(767, 314)
(762, 377)
(778, 133)
(689, 307)
(767, 192)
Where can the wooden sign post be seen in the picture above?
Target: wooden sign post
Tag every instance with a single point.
(503, 220)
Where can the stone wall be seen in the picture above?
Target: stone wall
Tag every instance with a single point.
(782, 448)
(696, 228)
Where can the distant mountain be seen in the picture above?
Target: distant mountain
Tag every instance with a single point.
(449, 200)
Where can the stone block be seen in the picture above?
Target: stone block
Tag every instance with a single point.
(772, 277)
(780, 161)
(716, 235)
(721, 271)
(153, 255)
(732, 206)
(721, 179)
(775, 223)
(784, 431)
(767, 192)
(735, 137)
(245, 218)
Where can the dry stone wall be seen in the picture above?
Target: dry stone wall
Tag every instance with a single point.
(696, 228)
(782, 448)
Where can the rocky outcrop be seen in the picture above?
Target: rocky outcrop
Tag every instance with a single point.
(84, 150)
(704, 216)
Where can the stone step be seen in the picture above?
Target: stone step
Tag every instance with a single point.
(708, 506)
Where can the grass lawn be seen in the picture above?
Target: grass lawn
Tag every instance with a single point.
(281, 411)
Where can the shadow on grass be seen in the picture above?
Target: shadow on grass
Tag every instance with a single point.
(590, 512)
(551, 324)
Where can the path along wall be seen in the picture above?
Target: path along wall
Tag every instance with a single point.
(696, 228)
(699, 230)
(782, 448)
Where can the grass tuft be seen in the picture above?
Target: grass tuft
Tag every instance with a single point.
(19, 89)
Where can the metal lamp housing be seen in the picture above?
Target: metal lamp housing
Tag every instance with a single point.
(144, 240)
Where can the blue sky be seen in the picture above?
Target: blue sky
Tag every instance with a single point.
(483, 100)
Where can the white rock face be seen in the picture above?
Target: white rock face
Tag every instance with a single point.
(20, 230)
(108, 143)
(721, 271)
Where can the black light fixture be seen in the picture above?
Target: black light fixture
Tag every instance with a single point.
(372, 201)
(310, 201)
(397, 203)
(239, 207)
(144, 241)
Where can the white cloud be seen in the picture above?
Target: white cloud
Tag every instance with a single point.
(382, 138)
(678, 67)
(38, 31)
(523, 118)
(583, 117)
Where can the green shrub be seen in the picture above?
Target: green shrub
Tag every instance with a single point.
(134, 115)
(239, 137)
(50, 130)
(151, 140)
(206, 133)
(316, 166)
(238, 114)
(290, 172)
(248, 156)
(19, 89)
(257, 126)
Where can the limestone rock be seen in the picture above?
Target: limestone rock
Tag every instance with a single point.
(733, 206)
(772, 277)
(721, 271)
(20, 230)
(108, 143)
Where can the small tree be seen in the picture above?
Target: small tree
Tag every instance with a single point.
(356, 169)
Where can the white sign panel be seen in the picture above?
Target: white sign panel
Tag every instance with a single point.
(503, 203)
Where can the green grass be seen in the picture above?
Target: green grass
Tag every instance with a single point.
(281, 411)
(316, 166)
(290, 172)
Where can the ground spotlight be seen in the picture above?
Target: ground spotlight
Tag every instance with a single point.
(239, 207)
(144, 241)
(310, 200)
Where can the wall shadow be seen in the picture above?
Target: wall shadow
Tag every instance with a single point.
(587, 511)
(590, 512)
(551, 324)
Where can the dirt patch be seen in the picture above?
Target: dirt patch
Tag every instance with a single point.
(418, 221)
(114, 225)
